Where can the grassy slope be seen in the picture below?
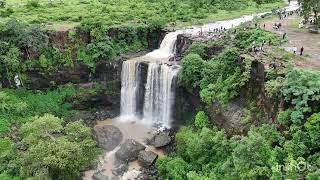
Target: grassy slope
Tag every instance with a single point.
(118, 12)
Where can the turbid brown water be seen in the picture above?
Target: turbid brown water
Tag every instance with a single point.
(132, 129)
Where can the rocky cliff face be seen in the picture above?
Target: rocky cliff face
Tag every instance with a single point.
(231, 116)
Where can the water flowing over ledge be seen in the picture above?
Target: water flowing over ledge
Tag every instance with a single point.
(151, 102)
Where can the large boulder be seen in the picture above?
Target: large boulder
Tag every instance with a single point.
(147, 158)
(99, 176)
(108, 136)
(228, 117)
(129, 150)
(161, 139)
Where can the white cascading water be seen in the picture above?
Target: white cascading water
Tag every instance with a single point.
(167, 47)
(159, 94)
(159, 88)
(130, 77)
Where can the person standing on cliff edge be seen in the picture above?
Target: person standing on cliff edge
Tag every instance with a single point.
(284, 35)
(301, 51)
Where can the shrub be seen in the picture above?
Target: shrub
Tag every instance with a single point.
(33, 3)
(201, 120)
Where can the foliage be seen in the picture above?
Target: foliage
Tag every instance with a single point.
(175, 168)
(245, 39)
(3, 3)
(61, 152)
(32, 4)
(258, 150)
(198, 48)
(120, 12)
(207, 153)
(312, 126)
(273, 86)
(222, 77)
(264, 153)
(302, 92)
(191, 73)
(201, 120)
(44, 135)
(310, 8)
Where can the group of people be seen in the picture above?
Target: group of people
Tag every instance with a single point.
(282, 14)
(277, 26)
(259, 48)
(212, 31)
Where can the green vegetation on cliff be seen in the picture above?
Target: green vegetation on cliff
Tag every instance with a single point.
(288, 148)
(285, 147)
(221, 77)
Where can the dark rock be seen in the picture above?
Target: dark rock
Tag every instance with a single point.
(161, 139)
(147, 158)
(228, 117)
(108, 136)
(120, 169)
(129, 150)
(182, 44)
(149, 173)
(99, 176)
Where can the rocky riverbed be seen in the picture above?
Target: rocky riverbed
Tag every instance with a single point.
(131, 149)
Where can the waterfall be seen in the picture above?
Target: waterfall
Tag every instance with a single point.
(156, 103)
(167, 47)
(130, 78)
(159, 94)
(159, 88)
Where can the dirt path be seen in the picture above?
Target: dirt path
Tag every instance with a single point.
(298, 37)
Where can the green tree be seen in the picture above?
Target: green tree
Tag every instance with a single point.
(201, 120)
(252, 156)
(56, 151)
(301, 91)
(173, 168)
(310, 7)
(192, 67)
(313, 127)
(3, 3)
(12, 61)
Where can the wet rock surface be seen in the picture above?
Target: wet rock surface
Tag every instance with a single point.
(99, 176)
(108, 136)
(160, 139)
(120, 168)
(129, 150)
(147, 158)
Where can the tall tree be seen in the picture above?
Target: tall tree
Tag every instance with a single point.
(309, 8)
